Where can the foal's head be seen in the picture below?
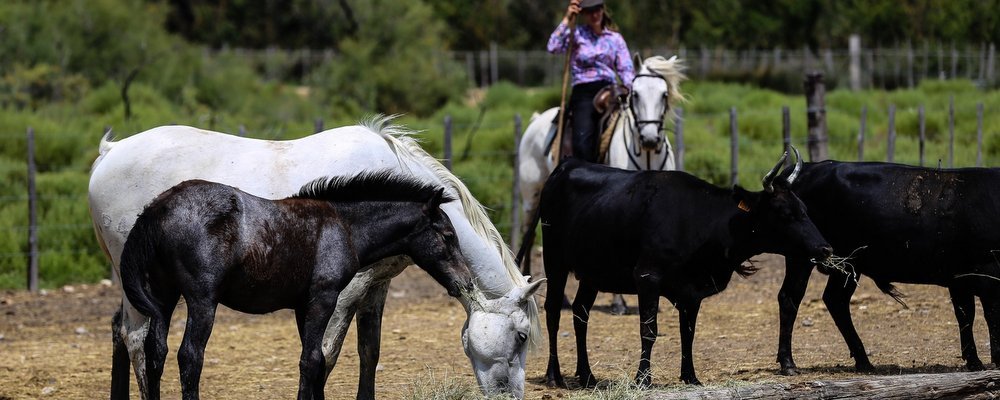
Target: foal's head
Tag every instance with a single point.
(434, 246)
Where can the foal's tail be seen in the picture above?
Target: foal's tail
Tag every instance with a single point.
(528, 238)
(138, 254)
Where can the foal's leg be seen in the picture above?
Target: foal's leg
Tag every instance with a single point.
(191, 355)
(964, 303)
(370, 337)
(156, 344)
(837, 297)
(312, 318)
(582, 303)
(618, 305)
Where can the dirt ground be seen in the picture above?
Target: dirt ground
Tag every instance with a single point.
(58, 345)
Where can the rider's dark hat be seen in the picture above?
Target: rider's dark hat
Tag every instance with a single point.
(591, 3)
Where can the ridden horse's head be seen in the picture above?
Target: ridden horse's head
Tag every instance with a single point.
(495, 338)
(654, 91)
(434, 247)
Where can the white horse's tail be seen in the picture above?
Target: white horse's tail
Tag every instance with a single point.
(107, 142)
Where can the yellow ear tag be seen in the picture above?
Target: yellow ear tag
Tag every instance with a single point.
(743, 206)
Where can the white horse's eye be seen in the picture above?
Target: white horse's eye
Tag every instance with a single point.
(522, 337)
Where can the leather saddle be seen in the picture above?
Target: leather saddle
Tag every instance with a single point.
(607, 102)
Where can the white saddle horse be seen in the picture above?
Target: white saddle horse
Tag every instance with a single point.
(502, 316)
(638, 140)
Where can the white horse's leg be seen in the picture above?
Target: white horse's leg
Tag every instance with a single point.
(370, 337)
(133, 330)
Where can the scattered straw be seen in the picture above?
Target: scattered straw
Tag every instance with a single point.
(842, 264)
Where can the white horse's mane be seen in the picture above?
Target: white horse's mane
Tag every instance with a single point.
(672, 71)
(400, 140)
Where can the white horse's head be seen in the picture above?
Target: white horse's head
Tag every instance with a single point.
(655, 89)
(496, 337)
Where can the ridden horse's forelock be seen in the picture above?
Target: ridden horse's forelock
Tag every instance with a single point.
(123, 180)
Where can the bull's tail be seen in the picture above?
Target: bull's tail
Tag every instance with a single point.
(528, 238)
(891, 290)
(138, 256)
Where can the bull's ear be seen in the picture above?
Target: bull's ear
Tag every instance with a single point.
(745, 200)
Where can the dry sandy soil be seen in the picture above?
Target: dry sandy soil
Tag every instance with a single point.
(58, 345)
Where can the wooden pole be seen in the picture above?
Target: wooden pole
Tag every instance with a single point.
(854, 48)
(734, 147)
(679, 139)
(515, 203)
(447, 142)
(494, 63)
(891, 145)
(923, 129)
(557, 145)
(816, 113)
(861, 133)
(32, 216)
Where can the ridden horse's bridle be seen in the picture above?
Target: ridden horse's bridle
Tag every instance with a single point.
(637, 124)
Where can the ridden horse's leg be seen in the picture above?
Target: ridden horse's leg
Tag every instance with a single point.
(689, 320)
(618, 305)
(582, 303)
(793, 288)
(119, 360)
(191, 354)
(964, 303)
(554, 297)
(837, 297)
(370, 337)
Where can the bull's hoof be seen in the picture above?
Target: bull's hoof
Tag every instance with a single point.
(555, 381)
(864, 366)
(974, 365)
(789, 371)
(566, 305)
(644, 379)
(588, 381)
(690, 380)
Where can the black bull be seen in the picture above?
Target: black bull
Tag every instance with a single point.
(655, 234)
(902, 224)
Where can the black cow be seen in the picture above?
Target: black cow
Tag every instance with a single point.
(655, 233)
(903, 224)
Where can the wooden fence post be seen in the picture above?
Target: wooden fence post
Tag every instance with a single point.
(951, 131)
(816, 112)
(786, 131)
(734, 147)
(854, 49)
(447, 142)
(979, 135)
(890, 147)
(679, 139)
(32, 216)
(515, 208)
(861, 133)
(923, 129)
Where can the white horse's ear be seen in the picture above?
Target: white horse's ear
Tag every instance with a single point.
(522, 294)
(673, 58)
(637, 60)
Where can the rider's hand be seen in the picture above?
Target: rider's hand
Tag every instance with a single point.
(571, 11)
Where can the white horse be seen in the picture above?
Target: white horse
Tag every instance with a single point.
(638, 141)
(502, 316)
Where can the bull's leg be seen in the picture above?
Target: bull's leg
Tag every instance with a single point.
(119, 360)
(837, 297)
(369, 337)
(586, 294)
(793, 288)
(618, 305)
(689, 319)
(191, 354)
(964, 303)
(991, 310)
(555, 286)
(649, 298)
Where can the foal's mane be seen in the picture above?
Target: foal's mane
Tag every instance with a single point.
(672, 71)
(383, 185)
(400, 141)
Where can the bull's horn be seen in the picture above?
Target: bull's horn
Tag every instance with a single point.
(766, 182)
(798, 166)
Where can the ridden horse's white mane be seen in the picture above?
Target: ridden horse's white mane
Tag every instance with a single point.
(400, 140)
(672, 71)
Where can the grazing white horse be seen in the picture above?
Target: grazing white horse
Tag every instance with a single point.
(638, 141)
(502, 316)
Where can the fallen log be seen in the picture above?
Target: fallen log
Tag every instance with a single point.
(956, 385)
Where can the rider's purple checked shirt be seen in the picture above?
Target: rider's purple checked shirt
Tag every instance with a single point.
(596, 57)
